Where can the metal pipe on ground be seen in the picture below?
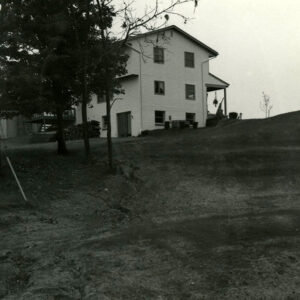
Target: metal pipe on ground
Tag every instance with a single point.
(16, 178)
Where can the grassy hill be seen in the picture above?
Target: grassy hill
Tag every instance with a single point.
(281, 129)
(211, 213)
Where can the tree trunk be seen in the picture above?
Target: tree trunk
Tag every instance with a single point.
(61, 143)
(85, 128)
(109, 141)
(0, 154)
(85, 95)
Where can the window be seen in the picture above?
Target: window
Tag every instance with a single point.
(158, 55)
(100, 98)
(159, 87)
(159, 117)
(104, 122)
(189, 59)
(190, 117)
(190, 92)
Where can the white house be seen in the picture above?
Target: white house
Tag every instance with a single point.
(168, 79)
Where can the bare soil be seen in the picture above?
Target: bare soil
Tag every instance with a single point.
(189, 214)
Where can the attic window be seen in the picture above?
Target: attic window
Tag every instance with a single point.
(189, 59)
(158, 55)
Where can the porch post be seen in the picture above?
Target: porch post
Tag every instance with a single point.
(225, 102)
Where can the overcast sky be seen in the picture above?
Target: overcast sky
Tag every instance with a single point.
(259, 49)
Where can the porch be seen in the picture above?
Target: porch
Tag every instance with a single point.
(214, 84)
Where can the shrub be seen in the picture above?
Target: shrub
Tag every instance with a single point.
(233, 115)
(76, 132)
(145, 132)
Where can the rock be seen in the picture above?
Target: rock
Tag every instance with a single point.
(8, 270)
(47, 293)
(3, 290)
(96, 296)
(92, 293)
(4, 254)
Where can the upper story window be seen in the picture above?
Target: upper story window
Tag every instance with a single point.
(189, 59)
(102, 97)
(159, 87)
(158, 55)
(190, 92)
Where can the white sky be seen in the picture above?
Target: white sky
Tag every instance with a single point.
(259, 49)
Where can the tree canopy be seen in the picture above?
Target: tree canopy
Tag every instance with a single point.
(54, 54)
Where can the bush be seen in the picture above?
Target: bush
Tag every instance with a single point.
(233, 115)
(75, 132)
(212, 122)
(184, 124)
(145, 132)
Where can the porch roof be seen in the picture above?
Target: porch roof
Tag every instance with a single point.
(215, 83)
(128, 76)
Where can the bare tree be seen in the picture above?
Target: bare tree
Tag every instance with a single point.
(131, 23)
(265, 105)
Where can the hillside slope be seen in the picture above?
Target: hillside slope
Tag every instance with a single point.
(211, 213)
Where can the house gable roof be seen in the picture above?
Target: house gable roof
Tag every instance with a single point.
(212, 52)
